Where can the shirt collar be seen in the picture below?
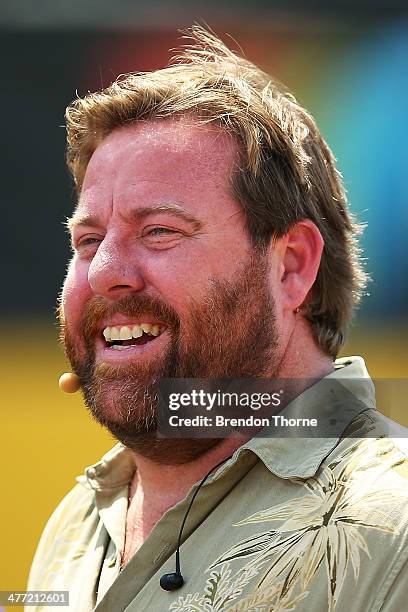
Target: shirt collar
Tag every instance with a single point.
(114, 471)
(334, 401)
(343, 394)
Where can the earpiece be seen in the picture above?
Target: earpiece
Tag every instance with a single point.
(69, 382)
(171, 582)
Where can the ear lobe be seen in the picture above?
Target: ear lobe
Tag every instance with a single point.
(301, 256)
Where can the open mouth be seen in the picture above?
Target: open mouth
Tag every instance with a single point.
(122, 337)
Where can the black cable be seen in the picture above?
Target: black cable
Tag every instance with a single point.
(174, 580)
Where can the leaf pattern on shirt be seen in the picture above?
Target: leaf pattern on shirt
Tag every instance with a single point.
(324, 529)
(222, 587)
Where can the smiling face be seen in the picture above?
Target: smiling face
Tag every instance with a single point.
(163, 280)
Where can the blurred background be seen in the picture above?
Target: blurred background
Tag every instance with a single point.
(346, 61)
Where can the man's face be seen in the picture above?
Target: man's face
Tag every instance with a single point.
(163, 281)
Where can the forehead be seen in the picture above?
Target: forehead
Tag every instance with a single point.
(149, 162)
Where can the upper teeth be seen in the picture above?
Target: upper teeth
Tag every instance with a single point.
(127, 332)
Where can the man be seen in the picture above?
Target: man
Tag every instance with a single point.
(212, 239)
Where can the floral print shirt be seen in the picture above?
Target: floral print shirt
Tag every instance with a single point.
(288, 523)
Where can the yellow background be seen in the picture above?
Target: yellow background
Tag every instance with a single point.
(48, 437)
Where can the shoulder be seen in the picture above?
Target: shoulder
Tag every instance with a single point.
(72, 510)
(370, 466)
(364, 483)
(372, 445)
(74, 518)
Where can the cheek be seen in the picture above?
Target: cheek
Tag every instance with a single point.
(75, 293)
(185, 282)
(177, 279)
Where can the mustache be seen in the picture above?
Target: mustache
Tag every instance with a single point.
(133, 306)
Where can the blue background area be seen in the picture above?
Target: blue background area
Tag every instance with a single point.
(352, 78)
(366, 123)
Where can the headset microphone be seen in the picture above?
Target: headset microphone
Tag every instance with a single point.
(171, 582)
(175, 580)
(69, 382)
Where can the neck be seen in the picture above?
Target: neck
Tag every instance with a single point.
(301, 359)
(164, 485)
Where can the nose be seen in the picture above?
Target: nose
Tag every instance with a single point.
(114, 271)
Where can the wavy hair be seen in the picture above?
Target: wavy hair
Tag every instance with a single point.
(286, 172)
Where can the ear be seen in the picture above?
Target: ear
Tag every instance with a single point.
(299, 252)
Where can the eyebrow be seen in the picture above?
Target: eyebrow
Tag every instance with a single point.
(138, 214)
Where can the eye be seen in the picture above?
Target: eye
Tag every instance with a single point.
(86, 245)
(159, 231)
(161, 237)
(88, 241)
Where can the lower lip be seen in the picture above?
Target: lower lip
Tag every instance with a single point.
(134, 352)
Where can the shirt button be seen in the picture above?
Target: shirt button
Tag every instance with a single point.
(91, 472)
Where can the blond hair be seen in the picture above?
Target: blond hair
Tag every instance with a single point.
(286, 171)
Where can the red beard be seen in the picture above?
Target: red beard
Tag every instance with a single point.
(231, 334)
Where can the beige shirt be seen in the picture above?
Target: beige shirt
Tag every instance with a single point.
(309, 524)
